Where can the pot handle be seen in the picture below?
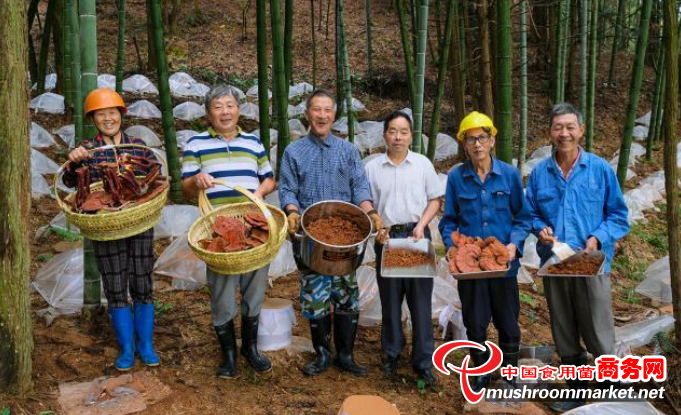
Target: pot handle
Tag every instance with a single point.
(297, 236)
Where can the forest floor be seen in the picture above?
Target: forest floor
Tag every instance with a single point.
(76, 349)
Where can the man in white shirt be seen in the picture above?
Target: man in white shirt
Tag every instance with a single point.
(406, 193)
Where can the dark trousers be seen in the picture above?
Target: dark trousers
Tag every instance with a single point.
(126, 264)
(495, 300)
(419, 292)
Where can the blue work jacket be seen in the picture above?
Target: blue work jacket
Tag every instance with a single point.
(496, 207)
(588, 203)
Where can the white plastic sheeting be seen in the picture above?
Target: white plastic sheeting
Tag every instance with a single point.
(144, 133)
(60, 283)
(50, 82)
(299, 89)
(409, 112)
(175, 221)
(253, 92)
(657, 284)
(369, 300)
(446, 146)
(39, 186)
(139, 84)
(530, 258)
(284, 263)
(371, 138)
(58, 221)
(357, 105)
(341, 126)
(183, 85)
(640, 199)
(275, 324)
(631, 336)
(296, 111)
(48, 102)
(143, 109)
(67, 134)
(542, 152)
(183, 136)
(250, 111)
(41, 164)
(106, 80)
(274, 135)
(179, 262)
(451, 321)
(189, 111)
(644, 119)
(616, 408)
(529, 165)
(640, 133)
(296, 129)
(40, 138)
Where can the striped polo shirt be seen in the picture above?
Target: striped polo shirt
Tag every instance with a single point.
(240, 161)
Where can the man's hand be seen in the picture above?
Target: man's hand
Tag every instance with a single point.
(293, 222)
(383, 236)
(203, 181)
(79, 154)
(376, 221)
(418, 232)
(546, 236)
(512, 251)
(591, 244)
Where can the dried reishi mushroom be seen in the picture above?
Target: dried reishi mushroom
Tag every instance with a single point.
(404, 258)
(583, 266)
(334, 230)
(470, 254)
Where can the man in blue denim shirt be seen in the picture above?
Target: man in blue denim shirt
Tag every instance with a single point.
(484, 198)
(575, 198)
(319, 167)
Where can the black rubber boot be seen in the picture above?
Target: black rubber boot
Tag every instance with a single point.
(479, 359)
(564, 406)
(227, 340)
(320, 328)
(511, 353)
(389, 364)
(344, 333)
(249, 345)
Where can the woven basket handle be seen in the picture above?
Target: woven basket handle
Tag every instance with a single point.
(205, 207)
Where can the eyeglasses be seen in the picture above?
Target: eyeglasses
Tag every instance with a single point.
(482, 139)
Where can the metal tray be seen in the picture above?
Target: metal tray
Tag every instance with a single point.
(481, 275)
(422, 271)
(543, 271)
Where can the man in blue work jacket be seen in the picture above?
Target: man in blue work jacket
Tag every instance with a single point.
(575, 198)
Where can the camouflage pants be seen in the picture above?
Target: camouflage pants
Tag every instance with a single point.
(318, 292)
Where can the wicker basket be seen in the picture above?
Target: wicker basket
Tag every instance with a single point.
(232, 263)
(109, 226)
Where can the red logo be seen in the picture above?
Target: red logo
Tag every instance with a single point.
(496, 356)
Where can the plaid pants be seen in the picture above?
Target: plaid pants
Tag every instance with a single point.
(126, 264)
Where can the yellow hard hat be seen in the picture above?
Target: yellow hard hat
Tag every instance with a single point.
(475, 120)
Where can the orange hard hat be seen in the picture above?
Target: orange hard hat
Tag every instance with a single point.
(101, 98)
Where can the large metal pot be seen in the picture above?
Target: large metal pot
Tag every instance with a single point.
(327, 259)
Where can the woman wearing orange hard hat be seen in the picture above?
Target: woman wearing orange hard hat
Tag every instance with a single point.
(125, 264)
(485, 198)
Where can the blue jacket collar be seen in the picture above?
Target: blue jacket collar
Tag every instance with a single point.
(469, 171)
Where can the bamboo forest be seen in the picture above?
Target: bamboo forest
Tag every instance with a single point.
(340, 207)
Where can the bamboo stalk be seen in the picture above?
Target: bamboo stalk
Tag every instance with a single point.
(419, 78)
(657, 102)
(76, 85)
(522, 150)
(45, 46)
(314, 44)
(120, 53)
(593, 73)
(406, 49)
(347, 83)
(279, 81)
(617, 40)
(504, 104)
(367, 8)
(263, 82)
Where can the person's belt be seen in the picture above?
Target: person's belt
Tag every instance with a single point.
(404, 227)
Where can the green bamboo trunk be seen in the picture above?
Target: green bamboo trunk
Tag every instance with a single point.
(340, 93)
(347, 83)
(671, 111)
(167, 118)
(120, 53)
(16, 341)
(74, 65)
(442, 77)
(288, 44)
(504, 104)
(45, 46)
(486, 89)
(32, 60)
(263, 82)
(88, 53)
(657, 134)
(583, 29)
(657, 102)
(313, 36)
(406, 49)
(634, 91)
(419, 77)
(593, 74)
(522, 149)
(617, 40)
(68, 58)
(58, 39)
(279, 81)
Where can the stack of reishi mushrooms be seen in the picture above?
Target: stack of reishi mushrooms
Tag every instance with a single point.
(232, 235)
(470, 254)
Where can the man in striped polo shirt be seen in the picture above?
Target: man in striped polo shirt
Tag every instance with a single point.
(225, 152)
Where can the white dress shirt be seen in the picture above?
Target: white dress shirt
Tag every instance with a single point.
(401, 192)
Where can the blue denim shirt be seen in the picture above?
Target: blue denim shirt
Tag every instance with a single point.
(588, 203)
(496, 207)
(314, 170)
